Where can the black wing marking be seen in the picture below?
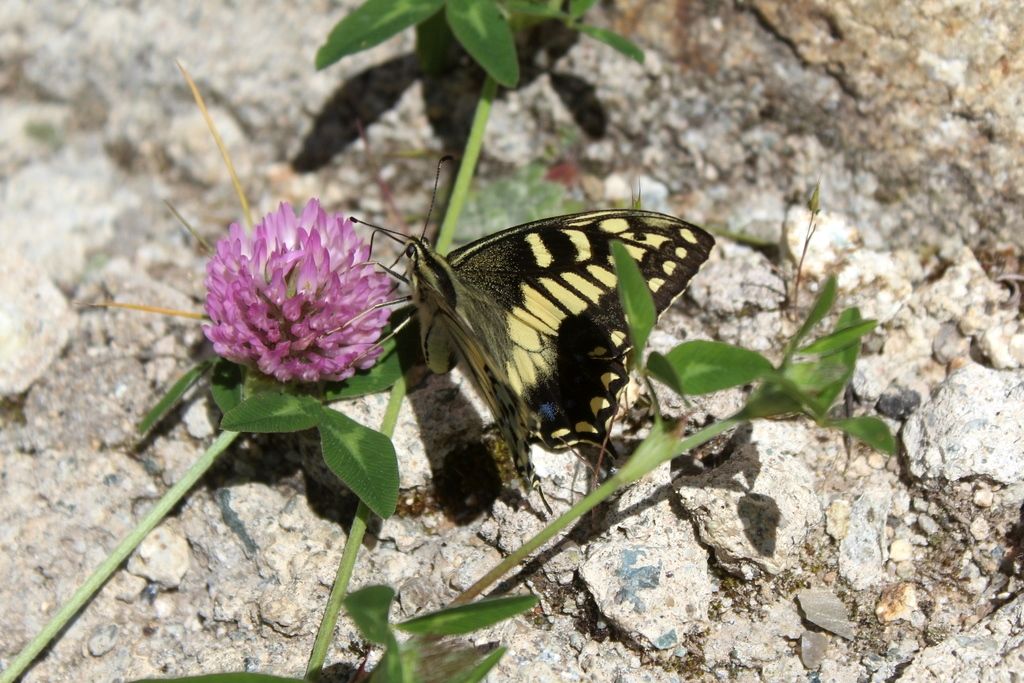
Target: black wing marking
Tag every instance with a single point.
(549, 286)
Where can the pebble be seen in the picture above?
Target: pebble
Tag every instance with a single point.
(896, 602)
(837, 519)
(813, 647)
(35, 323)
(983, 497)
(822, 608)
(102, 640)
(980, 528)
(900, 550)
(163, 557)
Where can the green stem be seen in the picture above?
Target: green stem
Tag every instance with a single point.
(348, 556)
(636, 467)
(468, 165)
(116, 557)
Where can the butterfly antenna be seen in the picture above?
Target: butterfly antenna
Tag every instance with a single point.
(433, 195)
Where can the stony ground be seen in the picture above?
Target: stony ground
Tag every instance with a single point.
(777, 553)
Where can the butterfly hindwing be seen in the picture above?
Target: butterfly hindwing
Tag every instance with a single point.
(539, 314)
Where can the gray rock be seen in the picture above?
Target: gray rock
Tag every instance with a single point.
(813, 648)
(92, 198)
(746, 281)
(649, 575)
(756, 510)
(991, 651)
(163, 557)
(862, 550)
(34, 323)
(822, 608)
(971, 426)
(752, 641)
(903, 61)
(102, 640)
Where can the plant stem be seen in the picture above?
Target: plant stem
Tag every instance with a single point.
(116, 557)
(348, 556)
(663, 452)
(467, 167)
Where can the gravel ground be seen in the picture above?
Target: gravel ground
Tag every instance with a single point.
(777, 553)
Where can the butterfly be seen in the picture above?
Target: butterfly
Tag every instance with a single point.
(533, 313)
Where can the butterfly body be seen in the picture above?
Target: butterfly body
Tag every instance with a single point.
(534, 314)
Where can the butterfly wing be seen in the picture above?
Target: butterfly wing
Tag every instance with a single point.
(541, 299)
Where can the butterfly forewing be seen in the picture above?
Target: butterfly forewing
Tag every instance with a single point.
(547, 330)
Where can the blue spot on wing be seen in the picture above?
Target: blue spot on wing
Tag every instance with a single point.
(548, 411)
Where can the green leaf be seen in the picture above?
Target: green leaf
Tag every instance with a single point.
(770, 400)
(819, 310)
(369, 608)
(870, 430)
(384, 373)
(235, 677)
(614, 40)
(815, 385)
(273, 412)
(362, 458)
(578, 7)
(461, 619)
(434, 41)
(636, 300)
(481, 669)
(372, 23)
(176, 391)
(701, 367)
(483, 30)
(840, 339)
(813, 377)
(535, 9)
(226, 384)
(847, 357)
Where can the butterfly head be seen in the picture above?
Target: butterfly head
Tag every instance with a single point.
(430, 276)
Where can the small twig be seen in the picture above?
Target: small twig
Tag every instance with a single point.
(814, 204)
(207, 249)
(220, 144)
(145, 309)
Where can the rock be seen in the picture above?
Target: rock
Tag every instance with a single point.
(973, 425)
(835, 237)
(649, 575)
(35, 323)
(837, 519)
(898, 402)
(756, 510)
(1004, 345)
(92, 198)
(102, 640)
(822, 608)
(163, 557)
(896, 603)
(862, 550)
(746, 281)
(813, 647)
(198, 421)
(993, 650)
(756, 639)
(933, 328)
(901, 550)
